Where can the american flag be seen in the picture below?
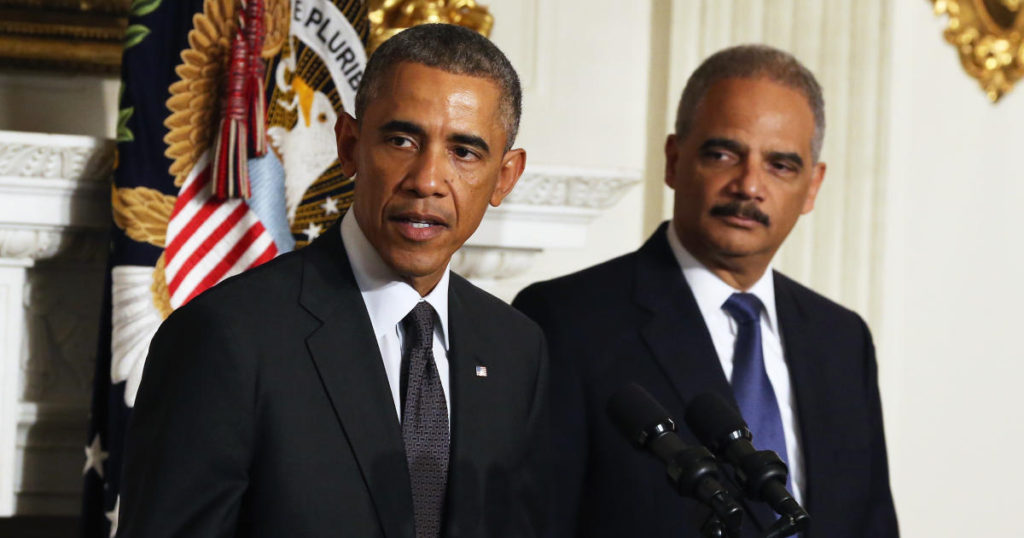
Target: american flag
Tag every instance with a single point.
(210, 239)
(173, 239)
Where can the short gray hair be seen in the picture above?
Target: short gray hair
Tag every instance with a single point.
(453, 49)
(749, 62)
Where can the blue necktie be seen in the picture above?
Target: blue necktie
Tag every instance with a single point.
(750, 383)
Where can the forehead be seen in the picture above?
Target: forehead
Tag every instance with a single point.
(428, 95)
(755, 111)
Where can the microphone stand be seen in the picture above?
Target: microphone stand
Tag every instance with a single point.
(785, 526)
(714, 528)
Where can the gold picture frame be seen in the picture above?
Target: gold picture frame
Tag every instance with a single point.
(389, 17)
(63, 35)
(989, 36)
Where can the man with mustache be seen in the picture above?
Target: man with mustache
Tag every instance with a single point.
(699, 309)
(358, 387)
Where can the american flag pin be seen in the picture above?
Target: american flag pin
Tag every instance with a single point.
(481, 371)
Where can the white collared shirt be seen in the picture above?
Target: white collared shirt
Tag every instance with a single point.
(388, 300)
(711, 293)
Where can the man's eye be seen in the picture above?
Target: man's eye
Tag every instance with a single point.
(465, 153)
(400, 142)
(714, 155)
(784, 167)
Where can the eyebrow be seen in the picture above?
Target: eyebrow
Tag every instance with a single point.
(471, 140)
(724, 143)
(402, 126)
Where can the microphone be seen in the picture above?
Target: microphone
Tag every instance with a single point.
(691, 470)
(761, 472)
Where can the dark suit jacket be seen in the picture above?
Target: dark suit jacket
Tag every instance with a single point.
(635, 319)
(264, 411)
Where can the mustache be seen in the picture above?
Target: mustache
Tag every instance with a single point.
(746, 210)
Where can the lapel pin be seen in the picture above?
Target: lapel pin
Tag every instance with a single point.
(481, 371)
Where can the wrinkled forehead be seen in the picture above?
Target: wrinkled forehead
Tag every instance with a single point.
(757, 112)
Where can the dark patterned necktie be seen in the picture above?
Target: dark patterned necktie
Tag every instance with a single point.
(750, 383)
(424, 422)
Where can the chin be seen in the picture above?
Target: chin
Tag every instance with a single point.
(413, 265)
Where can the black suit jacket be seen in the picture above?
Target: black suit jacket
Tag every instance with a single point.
(264, 411)
(634, 318)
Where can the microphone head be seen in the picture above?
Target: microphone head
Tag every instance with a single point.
(713, 420)
(637, 415)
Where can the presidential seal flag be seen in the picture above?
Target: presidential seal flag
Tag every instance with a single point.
(226, 159)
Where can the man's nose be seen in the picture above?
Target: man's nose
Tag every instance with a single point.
(749, 182)
(429, 174)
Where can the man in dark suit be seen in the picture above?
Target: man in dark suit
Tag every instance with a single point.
(357, 387)
(698, 309)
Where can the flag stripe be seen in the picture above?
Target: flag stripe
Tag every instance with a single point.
(253, 253)
(268, 254)
(192, 190)
(195, 274)
(190, 232)
(209, 241)
(192, 187)
(227, 262)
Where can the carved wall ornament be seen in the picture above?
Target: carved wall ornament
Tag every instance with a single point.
(989, 35)
(86, 246)
(51, 196)
(30, 155)
(492, 263)
(572, 187)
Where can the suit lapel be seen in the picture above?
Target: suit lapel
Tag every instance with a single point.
(676, 333)
(813, 401)
(679, 339)
(348, 361)
(471, 399)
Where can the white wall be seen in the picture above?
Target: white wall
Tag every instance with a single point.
(957, 428)
(584, 67)
(54, 103)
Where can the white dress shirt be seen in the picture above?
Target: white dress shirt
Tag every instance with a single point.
(711, 293)
(388, 300)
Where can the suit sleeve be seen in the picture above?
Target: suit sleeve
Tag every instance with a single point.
(189, 439)
(568, 447)
(881, 514)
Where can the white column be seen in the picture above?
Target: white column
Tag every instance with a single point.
(584, 67)
(12, 315)
(54, 216)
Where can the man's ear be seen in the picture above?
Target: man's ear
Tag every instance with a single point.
(512, 166)
(671, 152)
(817, 177)
(346, 133)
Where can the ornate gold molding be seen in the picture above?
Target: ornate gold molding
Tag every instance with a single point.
(988, 36)
(63, 34)
(89, 35)
(388, 17)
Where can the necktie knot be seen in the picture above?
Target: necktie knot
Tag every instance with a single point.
(418, 325)
(743, 307)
